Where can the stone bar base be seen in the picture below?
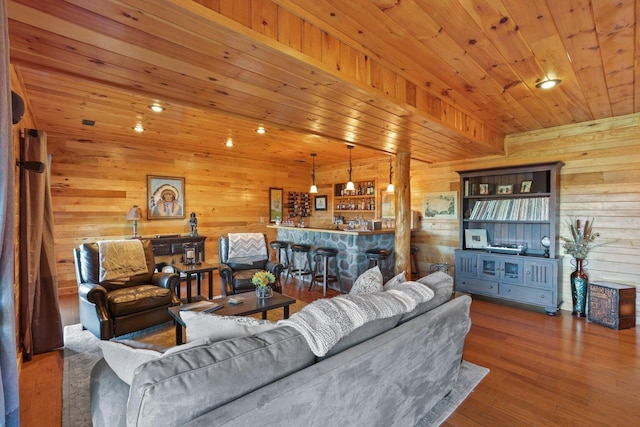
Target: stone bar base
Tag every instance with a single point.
(351, 246)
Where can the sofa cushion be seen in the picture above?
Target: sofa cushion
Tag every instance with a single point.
(442, 286)
(218, 328)
(90, 266)
(213, 375)
(124, 356)
(395, 281)
(363, 333)
(368, 282)
(128, 300)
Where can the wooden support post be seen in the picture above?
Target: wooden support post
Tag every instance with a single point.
(402, 198)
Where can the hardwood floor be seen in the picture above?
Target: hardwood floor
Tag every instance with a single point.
(549, 371)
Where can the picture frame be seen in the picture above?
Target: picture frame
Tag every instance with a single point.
(320, 203)
(440, 205)
(166, 197)
(484, 188)
(276, 204)
(505, 189)
(387, 205)
(525, 187)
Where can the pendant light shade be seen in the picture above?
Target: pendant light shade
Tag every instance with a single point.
(390, 188)
(350, 186)
(313, 189)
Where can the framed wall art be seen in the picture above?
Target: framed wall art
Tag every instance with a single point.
(275, 204)
(441, 205)
(321, 203)
(166, 197)
(525, 187)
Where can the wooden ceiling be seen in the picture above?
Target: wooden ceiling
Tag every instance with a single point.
(443, 80)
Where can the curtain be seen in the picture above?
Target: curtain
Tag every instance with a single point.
(40, 322)
(9, 393)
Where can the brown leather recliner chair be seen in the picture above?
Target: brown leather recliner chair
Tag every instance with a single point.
(236, 278)
(109, 309)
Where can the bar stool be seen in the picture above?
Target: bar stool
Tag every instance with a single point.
(414, 261)
(280, 247)
(379, 257)
(323, 258)
(299, 267)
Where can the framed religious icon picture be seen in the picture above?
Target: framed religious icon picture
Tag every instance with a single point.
(166, 197)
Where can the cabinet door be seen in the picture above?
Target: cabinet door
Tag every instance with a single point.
(512, 270)
(466, 264)
(540, 274)
(489, 267)
(506, 269)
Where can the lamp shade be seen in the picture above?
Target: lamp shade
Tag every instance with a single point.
(134, 213)
(314, 188)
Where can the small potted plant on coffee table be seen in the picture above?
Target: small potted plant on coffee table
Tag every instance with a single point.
(263, 281)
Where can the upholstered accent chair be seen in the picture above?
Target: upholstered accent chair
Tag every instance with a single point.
(235, 277)
(112, 308)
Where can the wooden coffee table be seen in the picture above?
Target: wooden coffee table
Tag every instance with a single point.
(250, 305)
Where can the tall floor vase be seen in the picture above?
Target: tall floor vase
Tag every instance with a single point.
(579, 285)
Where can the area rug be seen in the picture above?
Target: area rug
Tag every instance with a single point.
(81, 352)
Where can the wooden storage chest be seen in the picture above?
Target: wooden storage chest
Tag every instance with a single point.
(612, 305)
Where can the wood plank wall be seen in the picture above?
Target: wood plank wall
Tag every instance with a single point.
(600, 180)
(94, 183)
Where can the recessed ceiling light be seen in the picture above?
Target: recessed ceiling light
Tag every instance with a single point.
(157, 108)
(548, 84)
(261, 130)
(229, 142)
(138, 128)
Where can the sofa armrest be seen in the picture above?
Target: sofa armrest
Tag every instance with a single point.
(276, 269)
(95, 294)
(94, 314)
(169, 281)
(226, 279)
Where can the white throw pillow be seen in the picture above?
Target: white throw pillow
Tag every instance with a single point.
(124, 358)
(395, 281)
(218, 328)
(368, 282)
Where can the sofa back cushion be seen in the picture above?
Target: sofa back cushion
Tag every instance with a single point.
(90, 267)
(223, 255)
(363, 333)
(186, 384)
(442, 286)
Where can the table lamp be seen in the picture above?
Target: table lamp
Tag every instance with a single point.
(134, 215)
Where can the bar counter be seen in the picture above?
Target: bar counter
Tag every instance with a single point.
(351, 246)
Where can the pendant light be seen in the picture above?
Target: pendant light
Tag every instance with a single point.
(390, 188)
(313, 189)
(350, 186)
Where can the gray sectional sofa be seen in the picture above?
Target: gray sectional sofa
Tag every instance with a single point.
(388, 372)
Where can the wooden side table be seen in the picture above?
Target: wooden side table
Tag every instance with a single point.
(197, 269)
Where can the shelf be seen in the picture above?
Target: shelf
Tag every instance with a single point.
(491, 221)
(507, 196)
(366, 196)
